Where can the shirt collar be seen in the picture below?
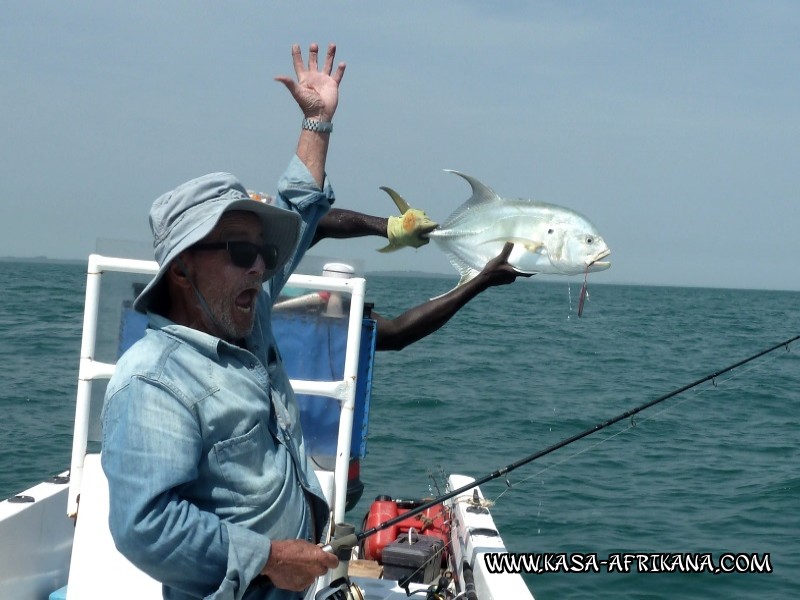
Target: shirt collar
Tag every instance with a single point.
(205, 343)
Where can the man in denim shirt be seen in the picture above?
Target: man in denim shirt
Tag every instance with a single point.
(210, 489)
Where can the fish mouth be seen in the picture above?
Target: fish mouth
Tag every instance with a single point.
(597, 264)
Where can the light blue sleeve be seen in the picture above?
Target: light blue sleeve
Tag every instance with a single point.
(151, 446)
(299, 192)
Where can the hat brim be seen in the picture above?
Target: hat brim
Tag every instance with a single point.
(280, 227)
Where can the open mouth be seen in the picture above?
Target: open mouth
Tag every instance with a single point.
(599, 265)
(246, 300)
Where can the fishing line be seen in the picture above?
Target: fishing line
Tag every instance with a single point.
(354, 538)
(663, 410)
(645, 419)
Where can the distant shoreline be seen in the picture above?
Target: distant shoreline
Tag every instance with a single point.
(551, 279)
(77, 261)
(42, 260)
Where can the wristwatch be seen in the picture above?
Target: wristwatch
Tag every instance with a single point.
(318, 126)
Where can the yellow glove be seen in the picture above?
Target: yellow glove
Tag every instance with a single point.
(410, 228)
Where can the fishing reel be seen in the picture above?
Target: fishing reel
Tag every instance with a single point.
(437, 591)
(340, 589)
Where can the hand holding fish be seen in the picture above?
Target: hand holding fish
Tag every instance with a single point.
(547, 238)
(498, 272)
(411, 228)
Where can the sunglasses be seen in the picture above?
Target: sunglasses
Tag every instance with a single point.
(244, 254)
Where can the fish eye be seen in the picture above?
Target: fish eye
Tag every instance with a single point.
(549, 231)
(589, 240)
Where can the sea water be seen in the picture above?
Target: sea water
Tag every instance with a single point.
(714, 470)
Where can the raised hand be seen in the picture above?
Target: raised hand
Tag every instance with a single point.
(315, 91)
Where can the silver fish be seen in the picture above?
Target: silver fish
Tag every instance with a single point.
(547, 238)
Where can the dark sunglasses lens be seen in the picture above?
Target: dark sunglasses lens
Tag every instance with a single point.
(270, 255)
(244, 254)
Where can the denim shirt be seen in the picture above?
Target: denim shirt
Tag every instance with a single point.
(202, 446)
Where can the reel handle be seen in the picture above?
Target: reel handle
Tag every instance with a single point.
(341, 545)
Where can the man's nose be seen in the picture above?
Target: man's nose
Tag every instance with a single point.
(259, 266)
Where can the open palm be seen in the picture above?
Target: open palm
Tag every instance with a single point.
(315, 91)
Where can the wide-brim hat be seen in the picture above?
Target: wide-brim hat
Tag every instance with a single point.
(181, 218)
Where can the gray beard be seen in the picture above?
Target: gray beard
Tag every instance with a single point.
(225, 324)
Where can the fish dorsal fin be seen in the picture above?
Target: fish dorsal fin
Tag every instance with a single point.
(481, 194)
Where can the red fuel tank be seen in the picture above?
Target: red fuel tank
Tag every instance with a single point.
(432, 521)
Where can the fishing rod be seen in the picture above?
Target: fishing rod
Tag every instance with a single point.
(350, 540)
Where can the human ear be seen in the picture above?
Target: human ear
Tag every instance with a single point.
(178, 271)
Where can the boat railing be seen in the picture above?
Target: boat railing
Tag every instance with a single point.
(91, 369)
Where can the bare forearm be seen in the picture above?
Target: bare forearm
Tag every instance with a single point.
(312, 149)
(421, 321)
(340, 223)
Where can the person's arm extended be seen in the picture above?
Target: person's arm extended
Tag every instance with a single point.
(410, 229)
(317, 94)
(422, 320)
(340, 224)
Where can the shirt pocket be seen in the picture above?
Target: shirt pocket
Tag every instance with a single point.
(250, 466)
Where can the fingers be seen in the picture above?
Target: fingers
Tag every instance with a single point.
(428, 227)
(337, 76)
(328, 68)
(506, 251)
(295, 564)
(328, 560)
(313, 56)
(297, 59)
(313, 60)
(288, 82)
(313, 50)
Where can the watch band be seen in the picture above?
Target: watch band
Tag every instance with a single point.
(318, 126)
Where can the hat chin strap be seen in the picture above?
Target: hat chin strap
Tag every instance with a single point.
(200, 298)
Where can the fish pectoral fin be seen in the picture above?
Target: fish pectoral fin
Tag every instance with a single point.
(467, 275)
(399, 201)
(531, 246)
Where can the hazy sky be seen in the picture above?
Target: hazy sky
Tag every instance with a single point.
(674, 126)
